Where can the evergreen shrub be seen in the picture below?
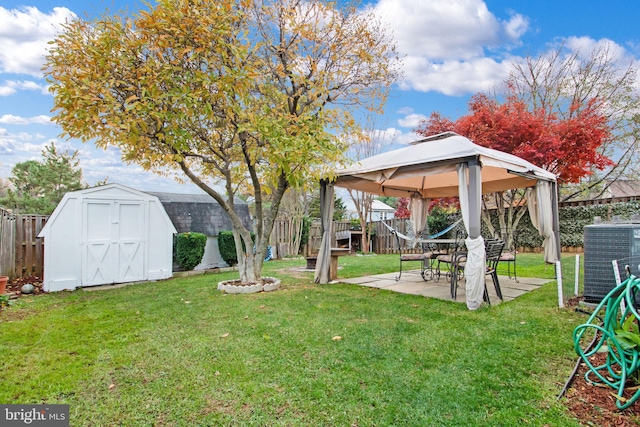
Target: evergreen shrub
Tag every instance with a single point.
(190, 249)
(227, 247)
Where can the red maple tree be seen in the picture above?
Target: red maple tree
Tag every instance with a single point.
(566, 147)
(402, 211)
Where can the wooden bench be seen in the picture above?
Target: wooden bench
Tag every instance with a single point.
(333, 264)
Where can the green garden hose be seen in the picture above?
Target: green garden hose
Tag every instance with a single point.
(623, 360)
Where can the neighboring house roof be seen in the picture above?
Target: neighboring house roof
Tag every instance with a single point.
(378, 206)
(201, 213)
(622, 188)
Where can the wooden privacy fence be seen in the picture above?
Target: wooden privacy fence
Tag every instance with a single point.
(7, 243)
(280, 239)
(384, 242)
(21, 252)
(29, 249)
(315, 234)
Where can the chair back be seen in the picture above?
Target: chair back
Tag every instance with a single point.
(459, 240)
(493, 250)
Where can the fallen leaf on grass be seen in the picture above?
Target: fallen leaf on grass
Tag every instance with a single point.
(111, 386)
(337, 338)
(187, 302)
(224, 335)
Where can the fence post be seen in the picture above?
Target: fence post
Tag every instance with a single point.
(559, 279)
(616, 274)
(7, 244)
(616, 271)
(577, 275)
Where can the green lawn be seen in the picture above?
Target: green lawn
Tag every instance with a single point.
(180, 353)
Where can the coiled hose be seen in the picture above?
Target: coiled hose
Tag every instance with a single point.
(622, 360)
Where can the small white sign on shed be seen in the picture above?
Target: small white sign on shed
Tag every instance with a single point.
(104, 235)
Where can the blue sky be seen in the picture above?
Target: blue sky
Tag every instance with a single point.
(452, 48)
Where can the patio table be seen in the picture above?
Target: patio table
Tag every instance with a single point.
(427, 265)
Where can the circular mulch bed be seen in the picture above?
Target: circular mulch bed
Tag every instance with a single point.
(236, 286)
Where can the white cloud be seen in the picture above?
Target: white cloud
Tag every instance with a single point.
(7, 142)
(393, 137)
(31, 148)
(10, 87)
(585, 46)
(516, 27)
(20, 144)
(10, 119)
(445, 43)
(455, 77)
(24, 34)
(442, 29)
(411, 120)
(405, 110)
(26, 136)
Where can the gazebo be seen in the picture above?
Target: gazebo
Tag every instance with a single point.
(447, 165)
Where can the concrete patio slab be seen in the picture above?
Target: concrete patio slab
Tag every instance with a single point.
(412, 283)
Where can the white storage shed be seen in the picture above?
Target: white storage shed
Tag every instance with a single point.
(104, 235)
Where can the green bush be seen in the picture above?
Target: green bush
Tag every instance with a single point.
(306, 225)
(573, 219)
(227, 247)
(438, 220)
(190, 249)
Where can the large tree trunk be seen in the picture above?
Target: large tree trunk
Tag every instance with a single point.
(248, 267)
(510, 208)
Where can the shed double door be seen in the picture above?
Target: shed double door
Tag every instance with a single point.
(114, 242)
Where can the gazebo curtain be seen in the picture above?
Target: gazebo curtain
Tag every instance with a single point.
(539, 200)
(474, 270)
(419, 208)
(321, 274)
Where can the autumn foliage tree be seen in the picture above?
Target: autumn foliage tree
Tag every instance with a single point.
(565, 80)
(402, 210)
(242, 95)
(568, 147)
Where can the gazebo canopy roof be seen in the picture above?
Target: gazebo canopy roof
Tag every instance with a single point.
(428, 167)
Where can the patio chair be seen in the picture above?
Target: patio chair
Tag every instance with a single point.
(448, 259)
(493, 249)
(509, 255)
(426, 255)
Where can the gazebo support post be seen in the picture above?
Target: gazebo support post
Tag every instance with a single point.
(475, 197)
(556, 217)
(321, 274)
